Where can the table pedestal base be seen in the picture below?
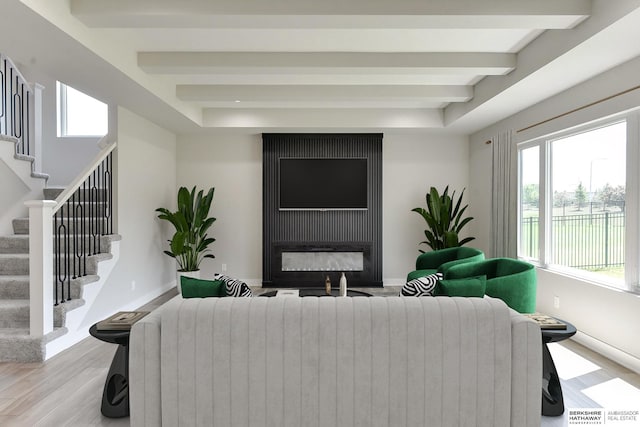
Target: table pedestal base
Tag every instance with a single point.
(115, 397)
(552, 401)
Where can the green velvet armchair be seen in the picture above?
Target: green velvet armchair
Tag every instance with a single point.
(511, 280)
(442, 259)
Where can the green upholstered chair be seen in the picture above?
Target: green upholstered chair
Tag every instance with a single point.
(511, 280)
(440, 260)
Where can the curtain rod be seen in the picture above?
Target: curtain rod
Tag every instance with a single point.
(579, 108)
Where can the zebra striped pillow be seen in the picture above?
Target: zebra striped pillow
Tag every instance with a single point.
(233, 287)
(422, 286)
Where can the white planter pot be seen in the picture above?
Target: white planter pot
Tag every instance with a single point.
(194, 274)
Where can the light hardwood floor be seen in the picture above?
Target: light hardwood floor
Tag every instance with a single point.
(67, 389)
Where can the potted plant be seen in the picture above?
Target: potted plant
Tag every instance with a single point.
(444, 219)
(190, 242)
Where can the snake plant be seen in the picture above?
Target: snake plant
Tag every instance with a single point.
(190, 242)
(444, 217)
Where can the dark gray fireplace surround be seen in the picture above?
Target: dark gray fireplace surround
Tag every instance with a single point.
(302, 247)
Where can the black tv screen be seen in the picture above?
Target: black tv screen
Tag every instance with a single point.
(323, 184)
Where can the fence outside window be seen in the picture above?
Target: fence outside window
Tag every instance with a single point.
(587, 242)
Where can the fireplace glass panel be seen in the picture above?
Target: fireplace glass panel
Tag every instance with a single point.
(322, 261)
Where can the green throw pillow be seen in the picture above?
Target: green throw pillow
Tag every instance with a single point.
(198, 288)
(467, 287)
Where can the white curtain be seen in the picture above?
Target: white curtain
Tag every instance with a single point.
(504, 198)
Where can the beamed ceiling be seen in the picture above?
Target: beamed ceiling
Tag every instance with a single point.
(334, 64)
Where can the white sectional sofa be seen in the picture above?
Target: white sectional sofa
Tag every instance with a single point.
(379, 361)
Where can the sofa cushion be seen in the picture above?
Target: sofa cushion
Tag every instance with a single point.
(467, 287)
(234, 287)
(199, 288)
(421, 286)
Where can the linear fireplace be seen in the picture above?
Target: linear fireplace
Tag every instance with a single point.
(299, 264)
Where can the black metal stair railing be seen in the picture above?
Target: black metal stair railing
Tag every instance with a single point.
(78, 226)
(15, 106)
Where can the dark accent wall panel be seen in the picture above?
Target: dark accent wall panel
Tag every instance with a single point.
(342, 226)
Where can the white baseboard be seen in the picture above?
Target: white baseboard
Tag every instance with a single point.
(148, 297)
(394, 282)
(254, 283)
(612, 353)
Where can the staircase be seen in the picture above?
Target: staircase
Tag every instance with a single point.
(16, 344)
(37, 321)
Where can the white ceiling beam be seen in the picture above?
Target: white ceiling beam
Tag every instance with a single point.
(326, 62)
(357, 79)
(549, 14)
(322, 119)
(231, 93)
(381, 40)
(360, 104)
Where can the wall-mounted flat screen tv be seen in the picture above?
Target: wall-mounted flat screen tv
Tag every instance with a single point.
(323, 183)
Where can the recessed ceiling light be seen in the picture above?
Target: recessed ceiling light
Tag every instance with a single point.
(237, 100)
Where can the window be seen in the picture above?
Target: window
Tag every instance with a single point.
(572, 202)
(79, 114)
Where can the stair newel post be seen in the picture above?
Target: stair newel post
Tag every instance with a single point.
(41, 266)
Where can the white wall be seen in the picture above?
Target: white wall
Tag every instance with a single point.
(232, 163)
(412, 164)
(606, 314)
(146, 180)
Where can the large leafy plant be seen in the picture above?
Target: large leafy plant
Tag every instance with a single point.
(190, 242)
(444, 217)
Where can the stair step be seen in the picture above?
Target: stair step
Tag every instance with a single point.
(76, 286)
(21, 226)
(14, 313)
(8, 138)
(14, 287)
(16, 345)
(60, 311)
(19, 243)
(81, 244)
(14, 264)
(16, 244)
(84, 225)
(17, 287)
(78, 283)
(23, 157)
(88, 209)
(91, 263)
(52, 193)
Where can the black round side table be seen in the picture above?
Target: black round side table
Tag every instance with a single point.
(552, 400)
(115, 397)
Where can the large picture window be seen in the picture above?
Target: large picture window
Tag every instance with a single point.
(572, 202)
